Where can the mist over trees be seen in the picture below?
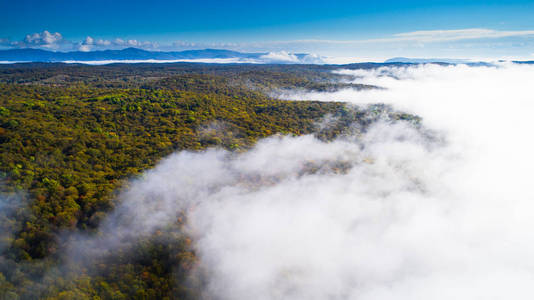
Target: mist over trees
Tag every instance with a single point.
(72, 137)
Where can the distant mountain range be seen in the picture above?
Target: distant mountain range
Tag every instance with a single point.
(135, 54)
(205, 55)
(38, 55)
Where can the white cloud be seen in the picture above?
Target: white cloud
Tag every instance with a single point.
(100, 44)
(89, 41)
(84, 48)
(442, 219)
(286, 57)
(281, 56)
(44, 39)
(129, 43)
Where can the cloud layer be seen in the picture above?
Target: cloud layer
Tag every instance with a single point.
(44, 39)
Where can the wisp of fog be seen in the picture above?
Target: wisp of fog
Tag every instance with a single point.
(385, 213)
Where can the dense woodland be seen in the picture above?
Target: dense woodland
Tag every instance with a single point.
(71, 136)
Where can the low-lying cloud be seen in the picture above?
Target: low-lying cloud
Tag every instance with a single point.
(285, 57)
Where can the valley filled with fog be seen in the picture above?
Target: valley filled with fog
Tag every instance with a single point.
(404, 181)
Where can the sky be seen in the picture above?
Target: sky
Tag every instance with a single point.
(357, 29)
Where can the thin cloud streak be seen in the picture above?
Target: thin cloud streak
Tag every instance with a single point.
(421, 36)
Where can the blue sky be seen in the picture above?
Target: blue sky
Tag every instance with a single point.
(366, 29)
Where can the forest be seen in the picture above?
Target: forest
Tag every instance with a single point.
(72, 136)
